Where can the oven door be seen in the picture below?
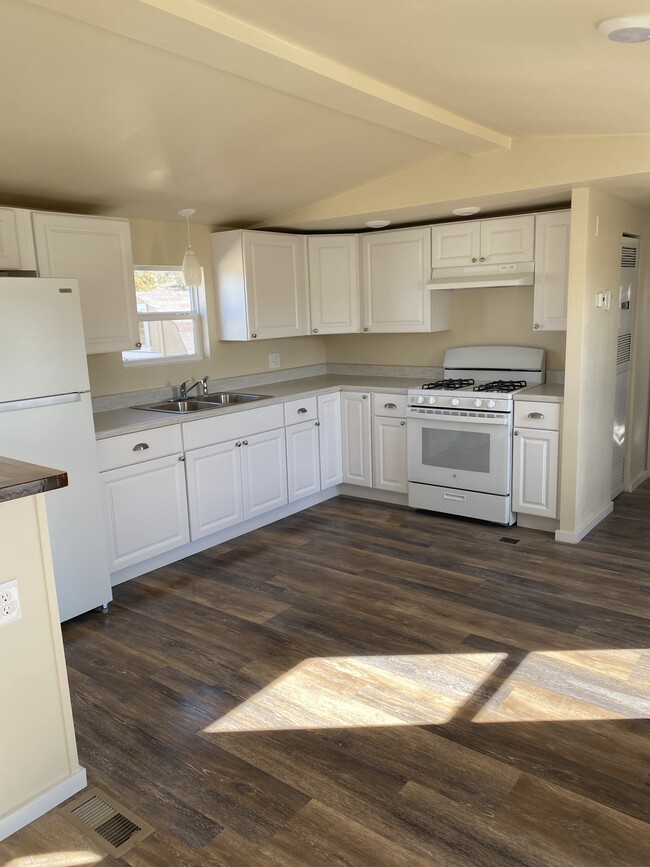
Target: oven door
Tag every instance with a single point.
(456, 450)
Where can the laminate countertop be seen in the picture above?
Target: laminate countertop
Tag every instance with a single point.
(547, 393)
(113, 422)
(18, 479)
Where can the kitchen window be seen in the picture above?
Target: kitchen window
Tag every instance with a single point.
(169, 318)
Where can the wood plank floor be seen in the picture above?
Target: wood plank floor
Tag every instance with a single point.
(362, 684)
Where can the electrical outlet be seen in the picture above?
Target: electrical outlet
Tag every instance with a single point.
(274, 359)
(9, 603)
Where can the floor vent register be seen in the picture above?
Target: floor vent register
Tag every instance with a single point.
(100, 818)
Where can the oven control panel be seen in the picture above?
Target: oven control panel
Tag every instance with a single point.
(422, 400)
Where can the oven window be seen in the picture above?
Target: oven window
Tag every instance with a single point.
(456, 450)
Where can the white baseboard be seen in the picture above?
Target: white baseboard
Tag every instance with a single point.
(574, 538)
(639, 481)
(32, 810)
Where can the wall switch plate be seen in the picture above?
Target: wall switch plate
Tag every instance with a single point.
(274, 359)
(604, 300)
(9, 603)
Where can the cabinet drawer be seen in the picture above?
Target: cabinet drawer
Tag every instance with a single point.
(534, 414)
(144, 445)
(302, 409)
(389, 404)
(231, 426)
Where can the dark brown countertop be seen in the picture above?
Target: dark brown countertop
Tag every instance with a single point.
(18, 479)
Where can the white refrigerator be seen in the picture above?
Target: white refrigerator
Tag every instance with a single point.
(46, 418)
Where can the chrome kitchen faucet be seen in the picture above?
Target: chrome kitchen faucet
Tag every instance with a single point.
(184, 390)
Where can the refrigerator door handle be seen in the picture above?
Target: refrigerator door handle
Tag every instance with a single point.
(35, 402)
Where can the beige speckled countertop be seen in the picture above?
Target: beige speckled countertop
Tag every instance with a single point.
(547, 393)
(113, 422)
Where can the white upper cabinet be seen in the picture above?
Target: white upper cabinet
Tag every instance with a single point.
(97, 252)
(396, 269)
(17, 251)
(496, 242)
(334, 283)
(261, 284)
(551, 270)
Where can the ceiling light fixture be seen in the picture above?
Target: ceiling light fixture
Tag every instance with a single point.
(377, 224)
(192, 275)
(466, 212)
(627, 28)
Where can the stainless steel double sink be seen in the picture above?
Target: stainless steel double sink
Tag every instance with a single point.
(202, 402)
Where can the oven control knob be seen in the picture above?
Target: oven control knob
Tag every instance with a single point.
(478, 401)
(432, 400)
(491, 404)
(455, 401)
(420, 399)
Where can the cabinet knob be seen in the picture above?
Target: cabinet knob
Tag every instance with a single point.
(253, 335)
(536, 325)
(390, 406)
(315, 330)
(474, 259)
(181, 458)
(302, 410)
(482, 259)
(238, 445)
(516, 433)
(402, 423)
(244, 442)
(140, 447)
(365, 329)
(364, 396)
(317, 424)
(138, 345)
(535, 415)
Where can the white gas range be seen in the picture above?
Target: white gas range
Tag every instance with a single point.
(459, 431)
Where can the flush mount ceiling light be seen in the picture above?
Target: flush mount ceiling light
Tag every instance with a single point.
(465, 212)
(627, 28)
(192, 275)
(377, 224)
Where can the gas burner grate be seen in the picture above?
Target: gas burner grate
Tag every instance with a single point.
(448, 384)
(501, 385)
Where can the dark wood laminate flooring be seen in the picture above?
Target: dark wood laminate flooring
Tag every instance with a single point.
(361, 684)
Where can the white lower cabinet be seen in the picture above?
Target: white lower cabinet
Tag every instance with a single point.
(230, 482)
(330, 440)
(357, 446)
(535, 459)
(303, 460)
(145, 510)
(389, 454)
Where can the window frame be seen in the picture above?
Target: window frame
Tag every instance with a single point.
(197, 315)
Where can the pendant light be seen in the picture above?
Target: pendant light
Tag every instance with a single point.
(192, 275)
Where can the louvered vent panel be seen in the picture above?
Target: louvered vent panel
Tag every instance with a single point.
(111, 828)
(628, 257)
(624, 348)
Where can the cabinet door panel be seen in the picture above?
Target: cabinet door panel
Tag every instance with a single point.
(329, 415)
(389, 451)
(276, 286)
(397, 266)
(9, 252)
(551, 270)
(264, 472)
(356, 439)
(455, 244)
(334, 283)
(97, 252)
(509, 239)
(214, 488)
(303, 465)
(535, 469)
(145, 510)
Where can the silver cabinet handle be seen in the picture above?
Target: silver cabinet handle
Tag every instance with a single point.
(536, 325)
(402, 423)
(140, 447)
(238, 445)
(182, 458)
(364, 396)
(315, 330)
(317, 424)
(390, 406)
(302, 410)
(535, 415)
(482, 259)
(138, 345)
(365, 329)
(516, 433)
(244, 442)
(474, 259)
(253, 335)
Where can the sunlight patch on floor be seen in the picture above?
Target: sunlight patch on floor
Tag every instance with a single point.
(56, 859)
(573, 685)
(363, 691)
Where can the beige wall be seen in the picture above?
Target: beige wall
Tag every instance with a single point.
(597, 223)
(164, 243)
(478, 317)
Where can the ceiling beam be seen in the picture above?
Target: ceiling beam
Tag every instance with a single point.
(205, 35)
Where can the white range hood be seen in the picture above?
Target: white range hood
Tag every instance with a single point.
(483, 276)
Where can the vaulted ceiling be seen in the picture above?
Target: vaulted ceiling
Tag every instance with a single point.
(248, 110)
